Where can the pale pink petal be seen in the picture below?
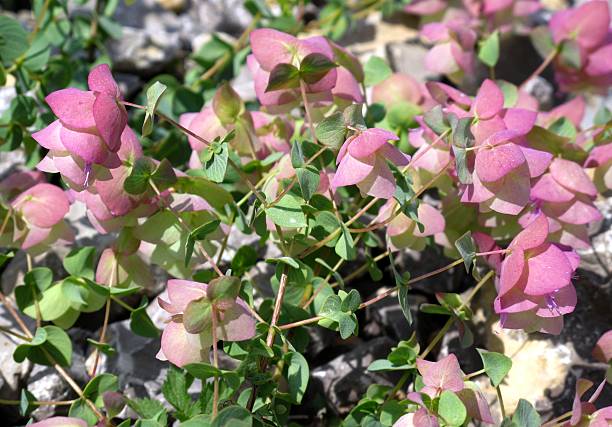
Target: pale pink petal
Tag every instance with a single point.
(182, 292)
(520, 120)
(87, 146)
(272, 47)
(237, 323)
(73, 107)
(440, 59)
(392, 153)
(489, 100)
(380, 182)
(511, 192)
(445, 374)
(370, 141)
(351, 170)
(603, 348)
(533, 235)
(347, 87)
(60, 422)
(110, 120)
(49, 137)
(537, 160)
(43, 205)
(558, 303)
(181, 347)
(476, 405)
(572, 176)
(495, 163)
(548, 270)
(574, 212)
(588, 24)
(511, 270)
(432, 220)
(101, 79)
(549, 190)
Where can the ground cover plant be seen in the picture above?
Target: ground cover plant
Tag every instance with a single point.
(340, 166)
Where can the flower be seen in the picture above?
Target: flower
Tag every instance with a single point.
(603, 348)
(362, 161)
(534, 288)
(37, 218)
(60, 422)
(583, 30)
(404, 232)
(235, 323)
(565, 195)
(88, 131)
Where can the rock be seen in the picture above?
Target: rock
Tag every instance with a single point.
(345, 379)
(142, 52)
(409, 58)
(46, 384)
(386, 317)
(129, 84)
(541, 90)
(140, 373)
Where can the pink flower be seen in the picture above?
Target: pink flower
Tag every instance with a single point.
(603, 348)
(565, 195)
(444, 374)
(273, 132)
(403, 232)
(588, 27)
(600, 158)
(181, 347)
(36, 219)
(89, 128)
(60, 422)
(534, 289)
(425, 7)
(504, 164)
(397, 88)
(362, 161)
(453, 50)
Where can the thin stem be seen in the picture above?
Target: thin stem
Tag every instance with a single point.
(400, 383)
(13, 333)
(29, 264)
(473, 374)
(215, 363)
(112, 280)
(555, 421)
(9, 306)
(308, 112)
(277, 308)
(550, 58)
(5, 221)
(122, 304)
(500, 399)
(437, 338)
(39, 20)
(39, 402)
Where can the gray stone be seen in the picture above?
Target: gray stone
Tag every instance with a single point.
(409, 58)
(46, 384)
(345, 379)
(386, 317)
(542, 90)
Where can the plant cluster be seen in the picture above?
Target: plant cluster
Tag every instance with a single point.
(329, 178)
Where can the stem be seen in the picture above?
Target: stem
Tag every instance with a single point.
(551, 56)
(308, 113)
(398, 386)
(277, 308)
(34, 296)
(39, 402)
(501, 402)
(437, 338)
(473, 374)
(215, 363)
(555, 421)
(13, 333)
(39, 20)
(113, 279)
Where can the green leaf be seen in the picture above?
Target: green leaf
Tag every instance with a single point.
(288, 212)
(211, 192)
(308, 179)
(197, 316)
(140, 322)
(331, 131)
(224, 287)
(26, 403)
(146, 408)
(297, 155)
(564, 128)
(451, 409)
(346, 325)
(434, 118)
(202, 370)
(216, 165)
(525, 415)
(163, 176)
(345, 246)
(154, 94)
(245, 258)
(376, 70)
(47, 340)
(199, 233)
(175, 389)
(138, 180)
(570, 54)
(283, 76)
(95, 389)
(227, 105)
(510, 92)
(80, 262)
(351, 301)
(298, 373)
(103, 347)
(467, 249)
(542, 40)
(496, 365)
(39, 277)
(402, 296)
(80, 409)
(234, 416)
(13, 39)
(37, 56)
(314, 67)
(488, 51)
